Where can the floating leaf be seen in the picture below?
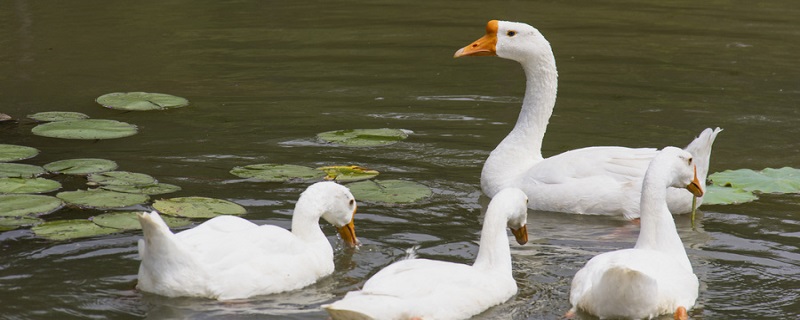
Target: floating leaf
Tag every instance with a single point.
(129, 221)
(27, 185)
(725, 195)
(348, 173)
(197, 207)
(277, 172)
(19, 170)
(28, 204)
(389, 191)
(81, 166)
(5, 117)
(101, 199)
(88, 129)
(10, 152)
(153, 189)
(364, 137)
(70, 229)
(57, 116)
(769, 180)
(141, 101)
(121, 178)
(11, 223)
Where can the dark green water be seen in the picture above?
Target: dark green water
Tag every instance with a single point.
(265, 77)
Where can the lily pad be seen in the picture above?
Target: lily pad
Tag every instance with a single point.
(121, 178)
(57, 116)
(277, 172)
(11, 223)
(80, 166)
(348, 173)
(129, 221)
(19, 170)
(364, 137)
(11, 152)
(198, 207)
(769, 180)
(153, 189)
(87, 129)
(141, 101)
(28, 185)
(101, 199)
(389, 191)
(70, 229)
(716, 195)
(15, 205)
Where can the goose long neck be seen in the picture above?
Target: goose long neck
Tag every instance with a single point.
(494, 252)
(305, 222)
(658, 230)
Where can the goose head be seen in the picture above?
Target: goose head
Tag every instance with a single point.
(510, 40)
(514, 204)
(681, 164)
(335, 204)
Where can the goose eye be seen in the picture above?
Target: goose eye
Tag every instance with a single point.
(511, 33)
(352, 202)
(690, 161)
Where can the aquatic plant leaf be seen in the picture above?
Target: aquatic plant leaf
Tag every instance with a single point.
(348, 173)
(5, 117)
(364, 137)
(15, 205)
(716, 195)
(28, 185)
(128, 220)
(19, 170)
(121, 178)
(57, 116)
(389, 191)
(11, 223)
(70, 229)
(153, 189)
(141, 101)
(277, 172)
(197, 207)
(11, 152)
(87, 129)
(101, 199)
(80, 166)
(769, 180)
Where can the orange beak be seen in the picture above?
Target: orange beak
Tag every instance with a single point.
(348, 233)
(695, 187)
(521, 234)
(485, 46)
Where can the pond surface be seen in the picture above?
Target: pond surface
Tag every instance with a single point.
(264, 77)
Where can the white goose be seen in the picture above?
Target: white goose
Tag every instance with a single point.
(655, 277)
(593, 180)
(229, 257)
(430, 289)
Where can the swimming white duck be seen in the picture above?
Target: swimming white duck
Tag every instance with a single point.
(430, 289)
(655, 277)
(228, 257)
(593, 180)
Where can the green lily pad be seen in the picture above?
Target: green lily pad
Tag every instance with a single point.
(129, 221)
(348, 173)
(57, 116)
(769, 180)
(70, 229)
(19, 170)
(28, 185)
(277, 172)
(153, 189)
(28, 204)
(121, 178)
(11, 223)
(141, 101)
(389, 191)
(10, 152)
(80, 166)
(364, 137)
(87, 129)
(716, 195)
(101, 199)
(197, 207)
